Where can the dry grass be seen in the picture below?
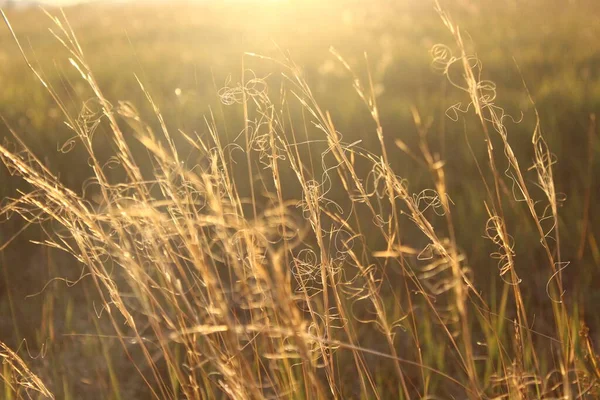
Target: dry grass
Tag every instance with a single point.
(236, 281)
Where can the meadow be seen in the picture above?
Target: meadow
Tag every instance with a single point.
(300, 199)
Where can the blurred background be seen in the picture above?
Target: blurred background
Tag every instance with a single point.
(184, 53)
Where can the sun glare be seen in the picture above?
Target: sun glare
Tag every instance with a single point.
(299, 199)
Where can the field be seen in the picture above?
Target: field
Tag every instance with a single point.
(300, 199)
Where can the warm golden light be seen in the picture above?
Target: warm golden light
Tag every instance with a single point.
(299, 199)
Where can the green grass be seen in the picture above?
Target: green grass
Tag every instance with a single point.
(235, 202)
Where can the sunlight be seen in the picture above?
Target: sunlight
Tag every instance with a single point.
(303, 199)
(62, 3)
